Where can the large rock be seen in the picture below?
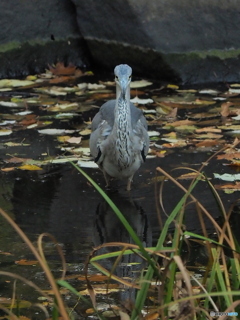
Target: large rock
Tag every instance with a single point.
(35, 33)
(194, 41)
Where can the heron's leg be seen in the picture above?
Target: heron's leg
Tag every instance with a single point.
(107, 178)
(129, 183)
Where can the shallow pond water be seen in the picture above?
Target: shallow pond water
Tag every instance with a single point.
(57, 199)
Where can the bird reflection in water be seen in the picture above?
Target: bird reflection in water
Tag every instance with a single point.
(108, 228)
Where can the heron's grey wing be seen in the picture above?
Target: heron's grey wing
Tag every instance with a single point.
(137, 114)
(139, 125)
(106, 112)
(101, 127)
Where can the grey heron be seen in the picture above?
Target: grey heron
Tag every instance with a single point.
(119, 140)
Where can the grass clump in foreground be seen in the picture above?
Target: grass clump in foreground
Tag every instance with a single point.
(166, 289)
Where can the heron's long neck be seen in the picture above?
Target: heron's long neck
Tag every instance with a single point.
(123, 130)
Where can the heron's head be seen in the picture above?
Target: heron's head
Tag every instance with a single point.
(123, 75)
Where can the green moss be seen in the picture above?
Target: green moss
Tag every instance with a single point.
(37, 42)
(197, 55)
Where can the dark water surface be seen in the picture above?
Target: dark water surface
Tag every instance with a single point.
(60, 201)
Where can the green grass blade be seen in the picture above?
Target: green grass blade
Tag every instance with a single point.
(142, 293)
(121, 217)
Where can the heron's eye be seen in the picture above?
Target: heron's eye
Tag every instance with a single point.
(116, 78)
(130, 77)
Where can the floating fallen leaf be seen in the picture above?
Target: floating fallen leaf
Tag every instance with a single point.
(172, 86)
(85, 152)
(231, 186)
(31, 78)
(63, 139)
(229, 156)
(225, 108)
(76, 140)
(208, 129)
(33, 125)
(16, 160)
(189, 176)
(5, 132)
(227, 176)
(85, 132)
(207, 143)
(5, 253)
(94, 277)
(209, 91)
(61, 69)
(140, 84)
(95, 86)
(231, 90)
(55, 131)
(64, 106)
(178, 144)
(141, 101)
(8, 302)
(203, 102)
(8, 103)
(209, 135)
(180, 123)
(8, 169)
(24, 262)
(186, 128)
(146, 111)
(102, 289)
(55, 91)
(14, 83)
(30, 167)
(235, 85)
(152, 316)
(6, 122)
(87, 164)
(23, 113)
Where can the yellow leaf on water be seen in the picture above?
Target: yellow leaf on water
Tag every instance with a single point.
(31, 77)
(172, 86)
(85, 132)
(30, 167)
